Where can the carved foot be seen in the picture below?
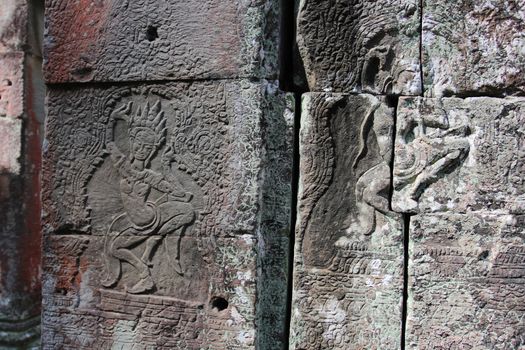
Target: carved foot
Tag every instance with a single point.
(144, 285)
(109, 281)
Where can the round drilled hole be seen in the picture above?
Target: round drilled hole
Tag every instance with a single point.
(219, 303)
(151, 33)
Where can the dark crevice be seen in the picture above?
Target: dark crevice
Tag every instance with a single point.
(287, 39)
(293, 216)
(392, 101)
(421, 58)
(404, 310)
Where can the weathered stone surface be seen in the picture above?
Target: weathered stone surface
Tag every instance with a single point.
(12, 85)
(473, 47)
(13, 25)
(460, 155)
(166, 216)
(110, 40)
(11, 136)
(21, 112)
(466, 282)
(354, 46)
(348, 273)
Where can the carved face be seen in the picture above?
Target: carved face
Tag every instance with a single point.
(143, 145)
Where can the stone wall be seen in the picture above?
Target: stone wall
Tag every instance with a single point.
(308, 174)
(411, 196)
(21, 121)
(167, 176)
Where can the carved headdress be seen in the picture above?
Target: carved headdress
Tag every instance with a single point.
(150, 119)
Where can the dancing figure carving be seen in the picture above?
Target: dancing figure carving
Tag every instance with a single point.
(146, 219)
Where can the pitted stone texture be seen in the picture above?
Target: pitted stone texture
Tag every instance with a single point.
(13, 21)
(357, 45)
(113, 40)
(348, 273)
(466, 282)
(473, 47)
(11, 136)
(460, 155)
(12, 85)
(166, 216)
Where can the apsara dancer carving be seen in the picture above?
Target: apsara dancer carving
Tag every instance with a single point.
(146, 220)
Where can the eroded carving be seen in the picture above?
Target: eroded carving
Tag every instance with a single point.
(153, 172)
(459, 155)
(373, 186)
(348, 272)
(427, 146)
(354, 46)
(146, 220)
(466, 274)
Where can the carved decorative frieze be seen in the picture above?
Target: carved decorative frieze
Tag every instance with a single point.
(466, 282)
(459, 155)
(349, 244)
(152, 204)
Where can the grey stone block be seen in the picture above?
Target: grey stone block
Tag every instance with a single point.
(473, 47)
(466, 282)
(348, 272)
(460, 155)
(166, 213)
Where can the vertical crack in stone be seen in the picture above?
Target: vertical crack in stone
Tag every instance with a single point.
(293, 216)
(406, 242)
(421, 73)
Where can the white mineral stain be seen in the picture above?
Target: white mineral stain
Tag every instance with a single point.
(387, 279)
(246, 337)
(331, 313)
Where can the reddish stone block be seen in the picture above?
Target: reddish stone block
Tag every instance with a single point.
(108, 40)
(12, 85)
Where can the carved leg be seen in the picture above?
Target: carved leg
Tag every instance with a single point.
(151, 244)
(121, 252)
(113, 269)
(431, 174)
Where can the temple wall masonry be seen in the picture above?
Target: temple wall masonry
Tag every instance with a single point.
(409, 229)
(21, 122)
(167, 193)
(262, 174)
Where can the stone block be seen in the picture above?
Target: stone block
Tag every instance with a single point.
(360, 46)
(112, 40)
(13, 25)
(460, 155)
(473, 47)
(466, 282)
(348, 269)
(11, 85)
(166, 215)
(11, 138)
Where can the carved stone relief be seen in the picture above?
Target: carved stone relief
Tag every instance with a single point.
(459, 155)
(152, 200)
(354, 46)
(473, 47)
(115, 40)
(466, 282)
(349, 248)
